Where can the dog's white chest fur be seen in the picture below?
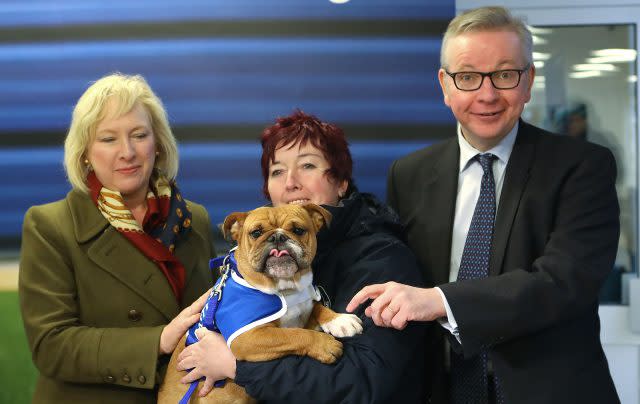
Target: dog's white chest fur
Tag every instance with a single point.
(297, 315)
(299, 303)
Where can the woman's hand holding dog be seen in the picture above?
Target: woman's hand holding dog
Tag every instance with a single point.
(395, 304)
(210, 357)
(176, 329)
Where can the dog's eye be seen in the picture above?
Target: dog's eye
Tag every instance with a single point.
(299, 231)
(256, 233)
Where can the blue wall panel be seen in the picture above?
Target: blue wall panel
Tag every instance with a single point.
(232, 81)
(70, 12)
(224, 177)
(214, 79)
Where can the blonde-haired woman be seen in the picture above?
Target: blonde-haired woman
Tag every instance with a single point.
(113, 275)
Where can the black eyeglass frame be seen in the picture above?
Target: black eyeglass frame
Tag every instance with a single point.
(489, 74)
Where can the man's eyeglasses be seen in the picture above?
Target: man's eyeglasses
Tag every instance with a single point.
(501, 79)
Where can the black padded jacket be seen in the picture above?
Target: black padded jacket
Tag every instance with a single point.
(362, 246)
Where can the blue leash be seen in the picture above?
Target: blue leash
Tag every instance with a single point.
(189, 393)
(207, 316)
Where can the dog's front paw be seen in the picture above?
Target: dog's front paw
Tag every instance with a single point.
(325, 348)
(344, 325)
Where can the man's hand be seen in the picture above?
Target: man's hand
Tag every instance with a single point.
(395, 304)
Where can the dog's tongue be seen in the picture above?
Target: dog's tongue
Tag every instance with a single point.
(276, 253)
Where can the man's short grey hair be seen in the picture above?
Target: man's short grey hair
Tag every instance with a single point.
(485, 19)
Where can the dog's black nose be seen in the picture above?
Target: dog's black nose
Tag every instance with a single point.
(278, 238)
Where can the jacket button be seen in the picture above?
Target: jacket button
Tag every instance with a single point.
(109, 379)
(135, 315)
(126, 378)
(142, 379)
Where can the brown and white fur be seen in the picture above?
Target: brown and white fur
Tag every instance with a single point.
(276, 246)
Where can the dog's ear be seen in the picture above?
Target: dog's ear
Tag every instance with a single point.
(232, 225)
(319, 215)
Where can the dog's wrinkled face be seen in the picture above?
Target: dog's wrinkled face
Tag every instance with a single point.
(276, 245)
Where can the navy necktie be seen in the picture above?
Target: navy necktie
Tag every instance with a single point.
(477, 248)
(469, 377)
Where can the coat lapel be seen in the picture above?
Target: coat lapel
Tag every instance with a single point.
(184, 252)
(110, 251)
(441, 188)
(515, 181)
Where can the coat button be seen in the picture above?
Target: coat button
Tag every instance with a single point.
(135, 315)
(142, 379)
(109, 379)
(126, 378)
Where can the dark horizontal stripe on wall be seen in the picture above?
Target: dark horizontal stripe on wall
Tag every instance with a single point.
(353, 132)
(10, 247)
(221, 133)
(226, 29)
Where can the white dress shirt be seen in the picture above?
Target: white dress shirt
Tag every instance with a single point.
(469, 180)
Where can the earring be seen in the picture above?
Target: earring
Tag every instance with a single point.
(86, 162)
(157, 153)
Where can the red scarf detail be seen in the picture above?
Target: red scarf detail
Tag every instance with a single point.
(152, 248)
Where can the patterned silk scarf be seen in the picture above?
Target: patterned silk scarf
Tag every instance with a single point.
(167, 220)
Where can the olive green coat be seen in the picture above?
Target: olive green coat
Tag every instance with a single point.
(94, 306)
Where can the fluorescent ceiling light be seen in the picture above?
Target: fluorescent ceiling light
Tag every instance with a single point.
(538, 40)
(585, 75)
(603, 67)
(541, 56)
(632, 79)
(539, 64)
(614, 52)
(612, 59)
(539, 31)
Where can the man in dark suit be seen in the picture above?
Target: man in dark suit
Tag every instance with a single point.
(516, 230)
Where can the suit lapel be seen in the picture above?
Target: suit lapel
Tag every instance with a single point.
(441, 189)
(113, 253)
(516, 177)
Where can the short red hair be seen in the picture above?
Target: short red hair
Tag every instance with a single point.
(300, 128)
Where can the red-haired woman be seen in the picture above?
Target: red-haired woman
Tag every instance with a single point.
(307, 160)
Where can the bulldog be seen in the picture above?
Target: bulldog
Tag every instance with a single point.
(283, 315)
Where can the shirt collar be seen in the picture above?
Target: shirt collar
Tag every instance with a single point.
(502, 150)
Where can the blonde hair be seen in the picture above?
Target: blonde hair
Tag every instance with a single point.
(127, 91)
(488, 19)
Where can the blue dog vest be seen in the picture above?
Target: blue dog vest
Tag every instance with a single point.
(234, 307)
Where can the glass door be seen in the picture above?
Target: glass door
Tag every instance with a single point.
(585, 87)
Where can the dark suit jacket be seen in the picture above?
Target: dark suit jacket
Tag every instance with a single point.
(555, 241)
(94, 307)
